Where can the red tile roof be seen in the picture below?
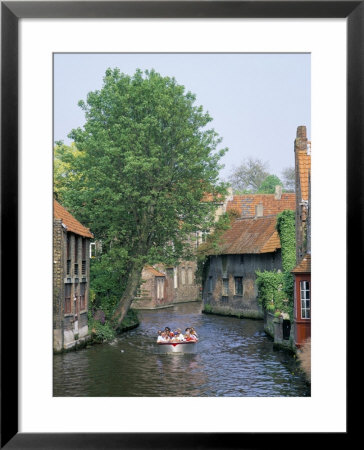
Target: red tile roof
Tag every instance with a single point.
(304, 266)
(252, 235)
(72, 224)
(245, 204)
(154, 271)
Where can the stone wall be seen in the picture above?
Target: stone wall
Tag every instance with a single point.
(185, 287)
(273, 326)
(58, 284)
(228, 267)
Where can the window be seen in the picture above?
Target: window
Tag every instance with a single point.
(92, 250)
(84, 256)
(305, 300)
(76, 248)
(209, 287)
(68, 253)
(225, 287)
(160, 288)
(183, 276)
(83, 249)
(83, 296)
(189, 275)
(67, 298)
(238, 285)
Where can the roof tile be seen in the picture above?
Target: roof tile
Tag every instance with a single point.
(72, 224)
(304, 266)
(251, 235)
(245, 204)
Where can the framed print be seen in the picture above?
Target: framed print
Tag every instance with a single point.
(39, 38)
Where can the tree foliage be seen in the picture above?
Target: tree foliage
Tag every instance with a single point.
(63, 162)
(269, 184)
(148, 160)
(289, 179)
(248, 177)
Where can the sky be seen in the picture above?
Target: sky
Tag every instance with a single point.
(257, 101)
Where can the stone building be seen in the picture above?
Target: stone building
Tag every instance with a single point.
(302, 271)
(71, 276)
(155, 291)
(250, 244)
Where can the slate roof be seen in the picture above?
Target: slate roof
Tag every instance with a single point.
(72, 224)
(251, 235)
(245, 204)
(304, 170)
(304, 266)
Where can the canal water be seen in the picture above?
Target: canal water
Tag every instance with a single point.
(234, 358)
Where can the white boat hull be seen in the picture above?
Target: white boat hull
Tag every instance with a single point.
(177, 347)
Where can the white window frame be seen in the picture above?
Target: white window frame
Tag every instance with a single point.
(303, 298)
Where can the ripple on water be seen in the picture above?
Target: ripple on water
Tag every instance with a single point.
(234, 358)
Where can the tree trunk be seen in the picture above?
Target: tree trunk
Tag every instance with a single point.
(128, 295)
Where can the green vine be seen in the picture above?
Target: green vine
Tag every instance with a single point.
(275, 289)
(211, 245)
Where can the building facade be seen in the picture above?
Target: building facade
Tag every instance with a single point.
(302, 271)
(250, 244)
(71, 277)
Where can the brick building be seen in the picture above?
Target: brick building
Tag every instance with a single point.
(302, 271)
(71, 275)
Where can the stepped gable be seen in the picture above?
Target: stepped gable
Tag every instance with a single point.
(245, 204)
(72, 224)
(251, 235)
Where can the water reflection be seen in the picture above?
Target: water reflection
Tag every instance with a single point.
(233, 358)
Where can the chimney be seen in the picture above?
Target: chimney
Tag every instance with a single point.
(278, 192)
(259, 210)
(300, 142)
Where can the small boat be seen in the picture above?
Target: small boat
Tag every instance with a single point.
(177, 347)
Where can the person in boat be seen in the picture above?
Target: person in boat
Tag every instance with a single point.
(178, 335)
(193, 333)
(190, 335)
(163, 337)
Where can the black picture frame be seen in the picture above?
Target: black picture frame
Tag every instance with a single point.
(11, 12)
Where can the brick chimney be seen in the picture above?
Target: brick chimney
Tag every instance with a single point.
(278, 192)
(259, 210)
(301, 141)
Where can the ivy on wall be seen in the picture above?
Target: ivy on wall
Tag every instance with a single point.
(211, 245)
(275, 289)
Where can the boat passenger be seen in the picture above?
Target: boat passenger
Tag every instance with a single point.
(163, 337)
(178, 334)
(193, 333)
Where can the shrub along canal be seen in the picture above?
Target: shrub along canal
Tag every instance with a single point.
(234, 357)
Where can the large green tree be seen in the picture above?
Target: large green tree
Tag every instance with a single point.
(148, 162)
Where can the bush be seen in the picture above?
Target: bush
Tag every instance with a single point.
(101, 332)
